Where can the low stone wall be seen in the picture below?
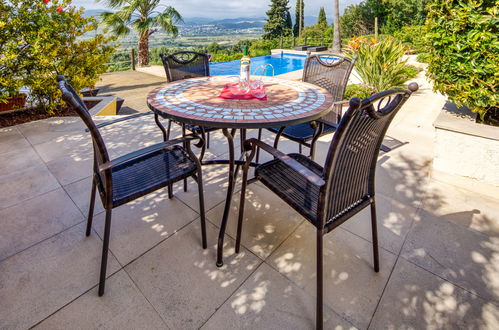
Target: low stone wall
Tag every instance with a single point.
(465, 148)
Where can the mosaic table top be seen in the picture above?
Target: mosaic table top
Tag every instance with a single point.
(196, 101)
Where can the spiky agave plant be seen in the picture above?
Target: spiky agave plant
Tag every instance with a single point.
(379, 62)
(144, 16)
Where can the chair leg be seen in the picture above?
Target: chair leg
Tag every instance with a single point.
(374, 236)
(161, 127)
(105, 250)
(199, 180)
(208, 140)
(241, 208)
(258, 150)
(319, 312)
(185, 180)
(299, 148)
(91, 208)
(170, 191)
(168, 130)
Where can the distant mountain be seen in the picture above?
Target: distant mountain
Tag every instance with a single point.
(93, 12)
(228, 23)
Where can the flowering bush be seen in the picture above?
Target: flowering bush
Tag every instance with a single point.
(379, 62)
(40, 39)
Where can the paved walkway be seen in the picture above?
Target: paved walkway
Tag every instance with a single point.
(439, 243)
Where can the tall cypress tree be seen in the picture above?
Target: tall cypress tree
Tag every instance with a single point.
(299, 17)
(276, 25)
(289, 22)
(322, 20)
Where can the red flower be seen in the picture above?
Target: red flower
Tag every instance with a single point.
(59, 9)
(46, 1)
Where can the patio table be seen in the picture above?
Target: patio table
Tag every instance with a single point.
(196, 101)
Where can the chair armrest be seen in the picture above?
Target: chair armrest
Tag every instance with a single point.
(107, 123)
(144, 151)
(305, 172)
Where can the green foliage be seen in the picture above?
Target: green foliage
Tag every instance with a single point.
(422, 57)
(299, 17)
(214, 48)
(224, 57)
(401, 13)
(276, 25)
(262, 47)
(410, 72)
(463, 55)
(313, 32)
(37, 42)
(144, 17)
(392, 15)
(358, 90)
(412, 36)
(379, 63)
(321, 19)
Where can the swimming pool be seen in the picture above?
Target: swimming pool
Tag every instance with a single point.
(282, 63)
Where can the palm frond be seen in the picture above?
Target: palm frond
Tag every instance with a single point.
(115, 22)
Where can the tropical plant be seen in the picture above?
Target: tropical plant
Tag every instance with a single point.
(463, 52)
(379, 63)
(40, 39)
(145, 17)
(277, 25)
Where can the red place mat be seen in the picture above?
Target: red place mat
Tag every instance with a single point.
(227, 94)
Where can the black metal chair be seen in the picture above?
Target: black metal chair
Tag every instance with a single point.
(328, 196)
(184, 65)
(331, 72)
(133, 175)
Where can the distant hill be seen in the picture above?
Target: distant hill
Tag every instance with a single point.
(228, 23)
(93, 12)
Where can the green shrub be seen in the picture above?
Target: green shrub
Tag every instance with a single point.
(379, 63)
(38, 41)
(412, 36)
(224, 57)
(358, 90)
(463, 55)
(422, 57)
(410, 72)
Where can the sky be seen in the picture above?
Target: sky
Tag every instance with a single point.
(230, 8)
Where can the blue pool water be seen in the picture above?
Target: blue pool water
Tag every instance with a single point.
(282, 64)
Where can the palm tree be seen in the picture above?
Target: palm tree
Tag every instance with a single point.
(145, 17)
(336, 26)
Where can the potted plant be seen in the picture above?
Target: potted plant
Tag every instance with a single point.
(463, 52)
(10, 97)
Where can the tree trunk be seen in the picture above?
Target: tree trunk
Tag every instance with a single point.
(336, 27)
(144, 49)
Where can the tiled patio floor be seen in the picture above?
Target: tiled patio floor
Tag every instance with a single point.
(439, 243)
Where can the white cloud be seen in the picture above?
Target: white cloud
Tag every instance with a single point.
(231, 9)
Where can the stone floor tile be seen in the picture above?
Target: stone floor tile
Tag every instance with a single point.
(19, 159)
(141, 224)
(215, 182)
(461, 256)
(40, 280)
(72, 168)
(268, 221)
(69, 144)
(12, 140)
(41, 217)
(41, 131)
(267, 300)
(351, 287)
(79, 191)
(417, 299)
(471, 210)
(394, 221)
(181, 280)
(121, 307)
(19, 186)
